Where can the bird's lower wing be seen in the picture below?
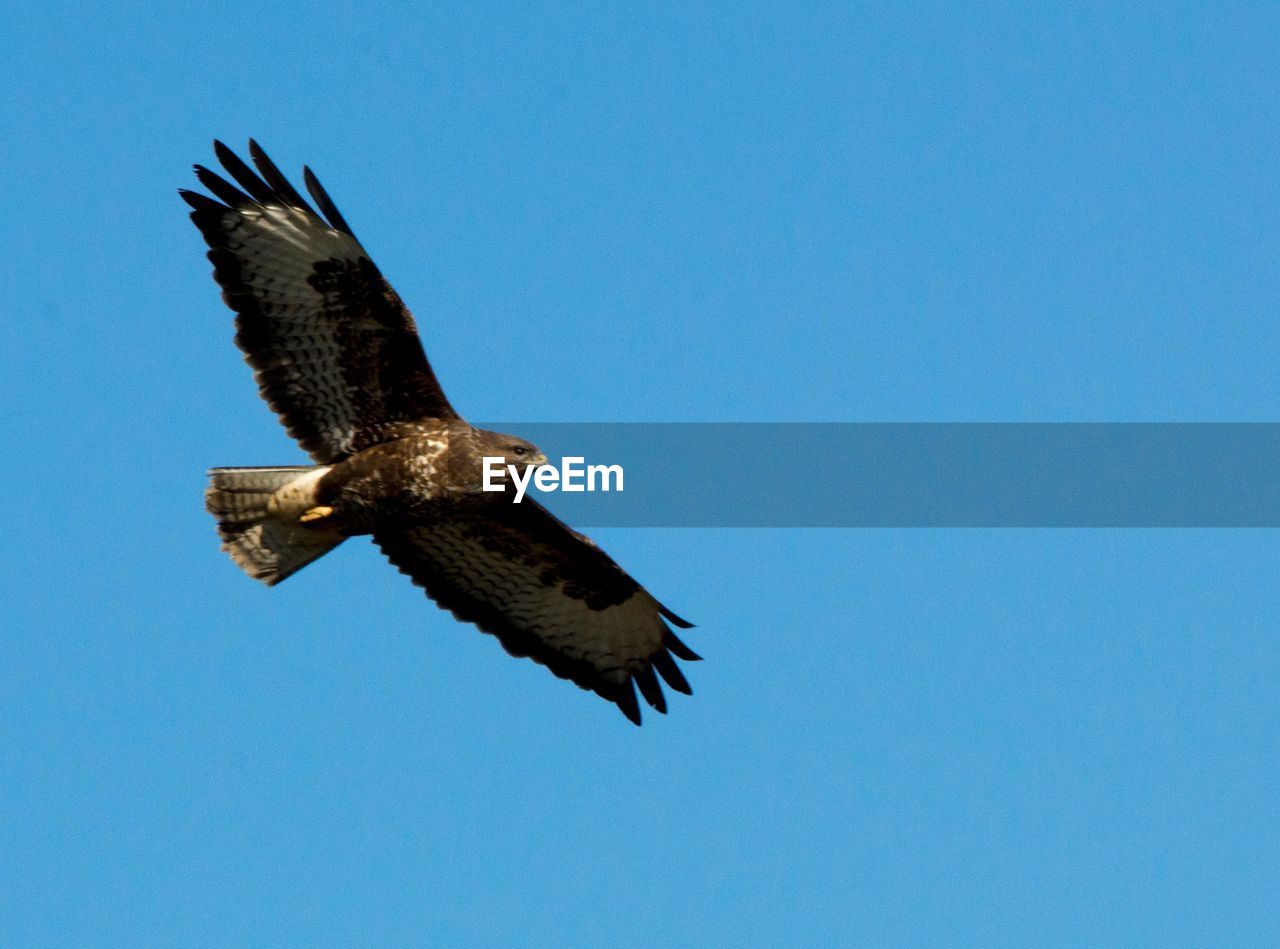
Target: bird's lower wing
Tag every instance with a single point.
(547, 593)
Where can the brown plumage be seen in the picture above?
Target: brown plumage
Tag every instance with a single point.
(336, 355)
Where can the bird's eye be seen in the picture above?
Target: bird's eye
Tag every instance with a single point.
(519, 450)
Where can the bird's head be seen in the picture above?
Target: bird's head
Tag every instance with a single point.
(514, 451)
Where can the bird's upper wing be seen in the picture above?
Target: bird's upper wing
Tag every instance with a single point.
(549, 593)
(335, 352)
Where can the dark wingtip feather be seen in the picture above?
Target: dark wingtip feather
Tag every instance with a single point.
(243, 174)
(224, 153)
(201, 202)
(650, 689)
(626, 700)
(672, 642)
(276, 179)
(325, 203)
(221, 188)
(682, 623)
(670, 672)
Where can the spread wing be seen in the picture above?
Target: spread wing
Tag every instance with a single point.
(548, 593)
(335, 352)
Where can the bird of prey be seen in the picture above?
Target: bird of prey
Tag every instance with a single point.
(336, 355)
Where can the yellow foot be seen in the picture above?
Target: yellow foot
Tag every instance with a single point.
(316, 514)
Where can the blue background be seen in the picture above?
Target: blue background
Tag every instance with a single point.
(647, 212)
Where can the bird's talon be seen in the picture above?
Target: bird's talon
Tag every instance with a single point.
(316, 514)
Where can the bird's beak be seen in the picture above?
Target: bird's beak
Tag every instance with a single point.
(539, 459)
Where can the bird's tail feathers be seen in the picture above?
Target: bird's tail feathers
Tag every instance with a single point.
(263, 543)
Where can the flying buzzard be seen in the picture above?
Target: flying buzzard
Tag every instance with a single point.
(337, 357)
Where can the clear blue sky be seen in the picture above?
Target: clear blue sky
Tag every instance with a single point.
(647, 212)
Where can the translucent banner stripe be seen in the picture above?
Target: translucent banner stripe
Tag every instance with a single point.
(919, 475)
